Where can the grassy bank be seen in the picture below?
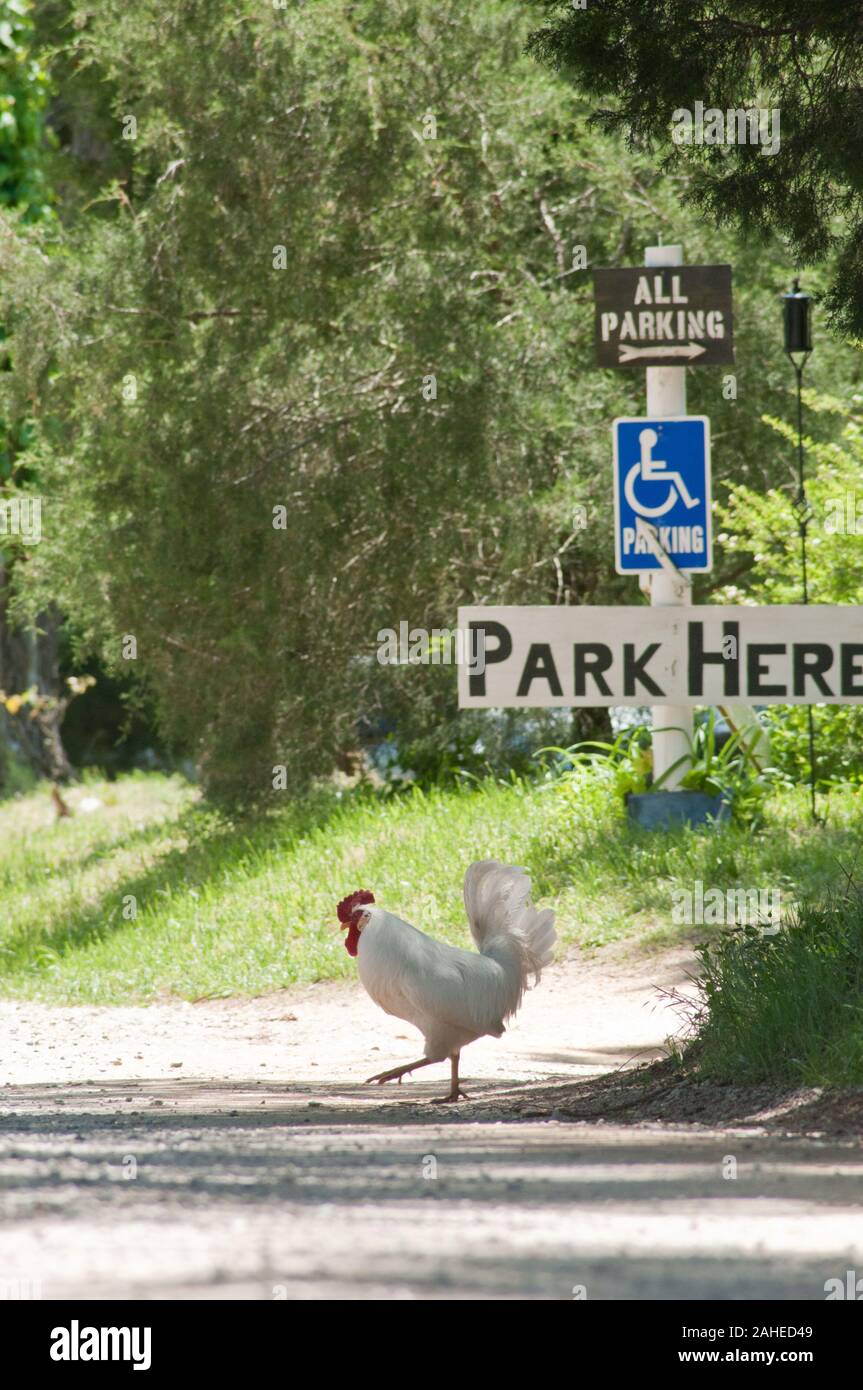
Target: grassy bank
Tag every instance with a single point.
(787, 1008)
(222, 908)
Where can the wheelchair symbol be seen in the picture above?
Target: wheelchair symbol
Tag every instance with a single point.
(651, 470)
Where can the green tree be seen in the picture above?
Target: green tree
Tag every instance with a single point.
(24, 91)
(802, 58)
(320, 358)
(764, 527)
(28, 656)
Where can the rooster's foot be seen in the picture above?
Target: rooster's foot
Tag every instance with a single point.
(396, 1073)
(457, 1094)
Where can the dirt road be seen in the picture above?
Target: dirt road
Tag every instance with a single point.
(228, 1149)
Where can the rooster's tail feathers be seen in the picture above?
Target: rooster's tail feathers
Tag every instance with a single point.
(497, 899)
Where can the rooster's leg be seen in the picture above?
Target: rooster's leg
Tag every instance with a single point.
(455, 1092)
(398, 1072)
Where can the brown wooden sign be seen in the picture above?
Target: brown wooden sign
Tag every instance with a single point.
(663, 316)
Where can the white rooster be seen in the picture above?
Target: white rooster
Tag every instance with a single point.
(452, 996)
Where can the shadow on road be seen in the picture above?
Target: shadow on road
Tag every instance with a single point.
(188, 1189)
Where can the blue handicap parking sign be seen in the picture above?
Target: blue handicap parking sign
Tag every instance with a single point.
(662, 482)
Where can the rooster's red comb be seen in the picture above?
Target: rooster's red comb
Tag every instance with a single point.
(349, 904)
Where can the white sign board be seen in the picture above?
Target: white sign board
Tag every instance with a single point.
(540, 657)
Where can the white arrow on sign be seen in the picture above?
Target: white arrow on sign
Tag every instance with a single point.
(627, 352)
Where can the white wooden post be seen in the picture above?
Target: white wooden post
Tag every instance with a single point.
(666, 395)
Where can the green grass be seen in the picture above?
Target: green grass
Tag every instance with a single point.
(787, 1008)
(231, 908)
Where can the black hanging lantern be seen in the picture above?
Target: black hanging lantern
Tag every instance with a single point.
(797, 306)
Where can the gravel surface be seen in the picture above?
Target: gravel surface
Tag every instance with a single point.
(229, 1149)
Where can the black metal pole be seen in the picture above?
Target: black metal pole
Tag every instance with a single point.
(801, 486)
(803, 518)
(798, 339)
